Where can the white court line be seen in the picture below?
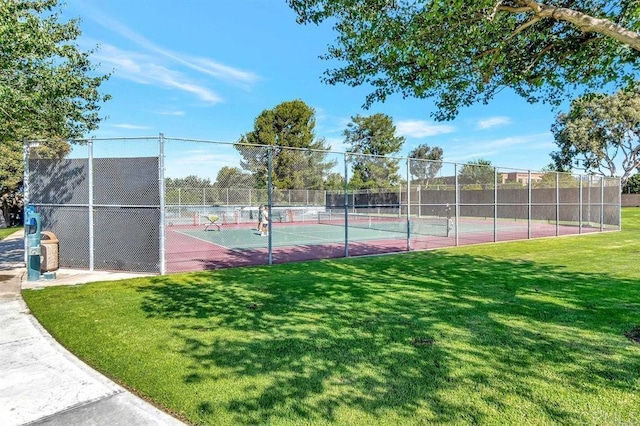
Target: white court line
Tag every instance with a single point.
(203, 240)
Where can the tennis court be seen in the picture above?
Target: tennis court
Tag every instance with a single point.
(191, 247)
(329, 229)
(136, 218)
(196, 247)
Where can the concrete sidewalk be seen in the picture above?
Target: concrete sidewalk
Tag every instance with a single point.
(41, 383)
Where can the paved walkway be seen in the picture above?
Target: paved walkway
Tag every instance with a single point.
(41, 383)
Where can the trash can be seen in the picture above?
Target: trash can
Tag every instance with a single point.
(49, 255)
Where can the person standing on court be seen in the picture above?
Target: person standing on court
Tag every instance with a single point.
(260, 210)
(265, 221)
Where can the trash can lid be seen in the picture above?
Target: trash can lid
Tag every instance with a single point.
(49, 237)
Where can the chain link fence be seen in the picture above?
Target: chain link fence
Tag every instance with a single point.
(173, 204)
(105, 211)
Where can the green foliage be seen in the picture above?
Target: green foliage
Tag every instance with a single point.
(597, 130)
(288, 126)
(427, 163)
(188, 190)
(477, 174)
(191, 181)
(464, 52)
(5, 232)
(553, 179)
(233, 177)
(371, 139)
(334, 181)
(633, 185)
(47, 87)
(512, 185)
(528, 332)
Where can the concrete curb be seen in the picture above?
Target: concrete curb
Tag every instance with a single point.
(42, 383)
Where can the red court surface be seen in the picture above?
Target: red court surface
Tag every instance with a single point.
(184, 253)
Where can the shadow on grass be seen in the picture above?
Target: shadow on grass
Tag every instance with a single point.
(429, 337)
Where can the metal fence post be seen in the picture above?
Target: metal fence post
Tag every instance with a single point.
(602, 204)
(495, 204)
(26, 188)
(408, 203)
(91, 227)
(619, 204)
(457, 194)
(557, 203)
(580, 224)
(589, 199)
(162, 236)
(419, 200)
(346, 207)
(529, 208)
(270, 204)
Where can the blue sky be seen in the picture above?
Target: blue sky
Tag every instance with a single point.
(206, 69)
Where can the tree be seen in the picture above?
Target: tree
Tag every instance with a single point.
(553, 179)
(334, 182)
(47, 87)
(233, 177)
(191, 181)
(371, 139)
(427, 163)
(191, 189)
(463, 52)
(633, 185)
(596, 130)
(477, 174)
(298, 157)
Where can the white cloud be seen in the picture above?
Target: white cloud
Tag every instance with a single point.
(176, 113)
(508, 147)
(421, 129)
(204, 65)
(219, 71)
(470, 156)
(200, 162)
(336, 144)
(142, 69)
(155, 65)
(130, 126)
(491, 122)
(517, 141)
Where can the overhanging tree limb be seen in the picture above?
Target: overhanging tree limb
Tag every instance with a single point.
(584, 22)
(596, 129)
(461, 53)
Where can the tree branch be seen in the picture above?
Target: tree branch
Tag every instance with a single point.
(511, 9)
(584, 22)
(524, 27)
(538, 56)
(631, 161)
(495, 10)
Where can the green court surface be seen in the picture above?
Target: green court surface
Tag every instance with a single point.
(288, 235)
(308, 234)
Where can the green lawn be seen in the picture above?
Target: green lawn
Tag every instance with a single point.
(516, 333)
(5, 232)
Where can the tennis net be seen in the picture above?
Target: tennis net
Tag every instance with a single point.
(435, 226)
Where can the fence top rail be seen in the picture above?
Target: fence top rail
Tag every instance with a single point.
(85, 140)
(161, 137)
